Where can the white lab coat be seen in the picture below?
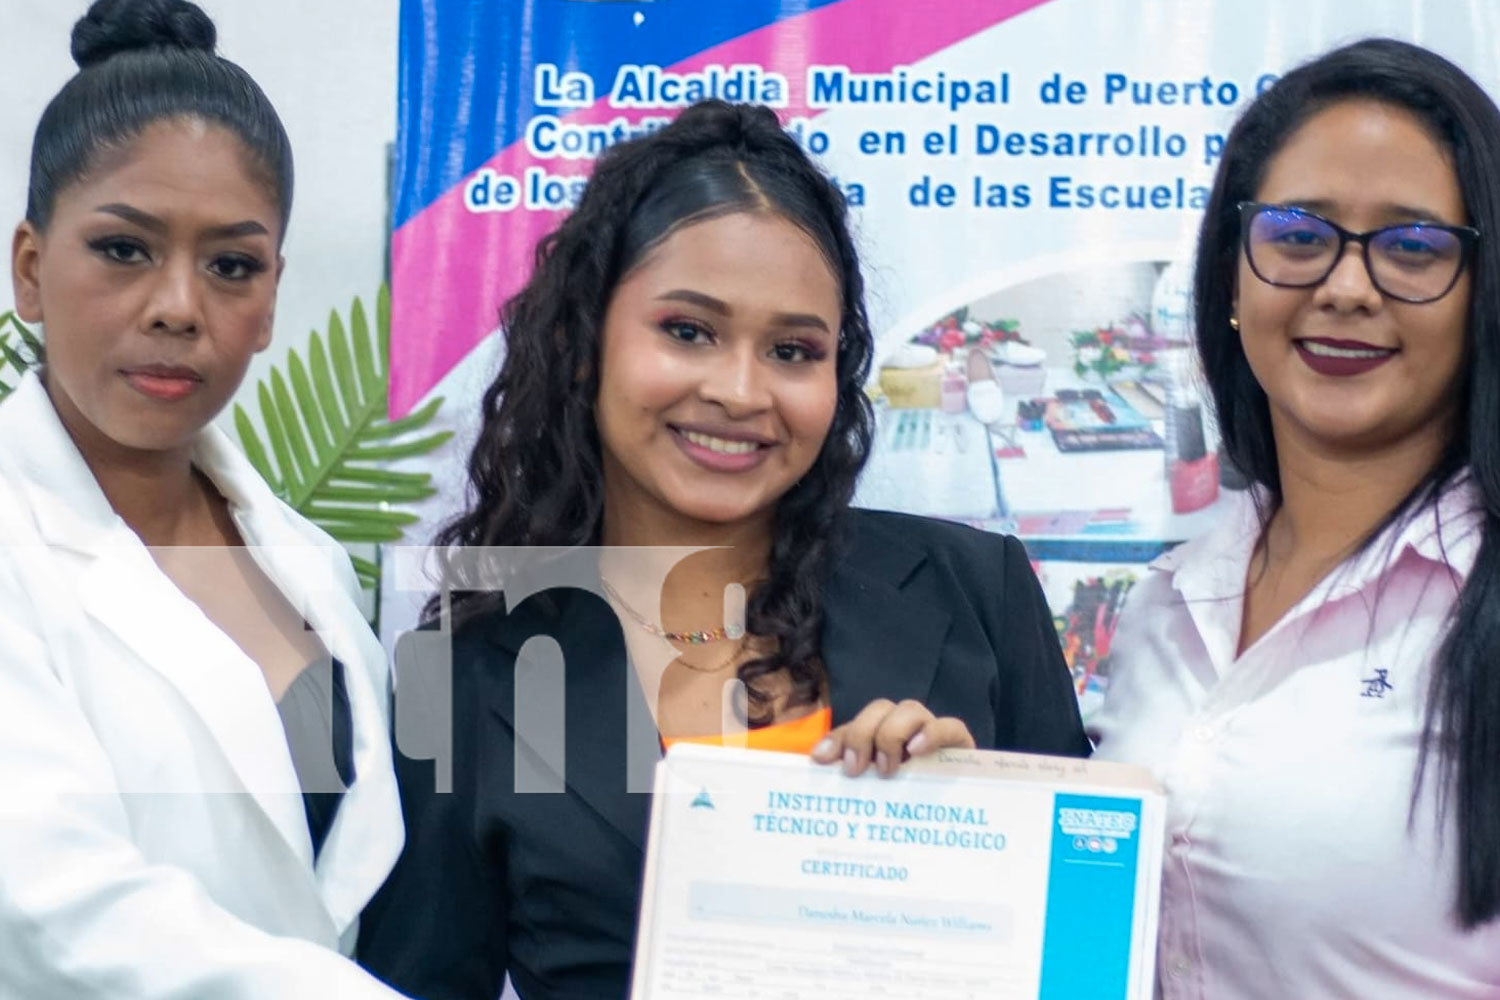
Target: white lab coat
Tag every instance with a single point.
(153, 842)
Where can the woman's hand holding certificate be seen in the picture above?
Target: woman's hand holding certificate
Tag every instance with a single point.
(887, 733)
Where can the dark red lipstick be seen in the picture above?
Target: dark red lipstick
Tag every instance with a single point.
(1342, 358)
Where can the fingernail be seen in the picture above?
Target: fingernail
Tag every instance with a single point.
(851, 761)
(824, 748)
(917, 743)
(882, 762)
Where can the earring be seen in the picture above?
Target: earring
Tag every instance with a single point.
(1234, 322)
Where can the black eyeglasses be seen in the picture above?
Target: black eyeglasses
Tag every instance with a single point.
(1413, 262)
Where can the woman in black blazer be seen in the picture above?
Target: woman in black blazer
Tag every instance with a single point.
(686, 369)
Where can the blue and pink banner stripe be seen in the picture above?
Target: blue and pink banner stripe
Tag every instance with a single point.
(467, 79)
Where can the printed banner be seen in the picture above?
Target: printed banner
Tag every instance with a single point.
(1027, 176)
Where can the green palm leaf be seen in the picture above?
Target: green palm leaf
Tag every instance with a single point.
(11, 355)
(18, 355)
(327, 438)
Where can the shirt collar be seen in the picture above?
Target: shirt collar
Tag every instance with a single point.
(1446, 532)
(1212, 566)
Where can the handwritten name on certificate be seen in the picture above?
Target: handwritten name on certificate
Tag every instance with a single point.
(970, 874)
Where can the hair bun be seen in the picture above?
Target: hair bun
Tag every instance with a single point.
(713, 122)
(114, 26)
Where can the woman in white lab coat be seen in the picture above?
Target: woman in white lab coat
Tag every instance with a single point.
(196, 797)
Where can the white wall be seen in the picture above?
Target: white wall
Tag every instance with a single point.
(329, 66)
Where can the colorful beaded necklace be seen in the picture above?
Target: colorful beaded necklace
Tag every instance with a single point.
(697, 637)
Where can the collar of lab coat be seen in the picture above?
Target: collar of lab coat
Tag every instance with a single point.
(121, 587)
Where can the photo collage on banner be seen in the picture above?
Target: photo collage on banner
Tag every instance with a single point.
(1026, 175)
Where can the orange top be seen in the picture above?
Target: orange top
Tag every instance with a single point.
(792, 736)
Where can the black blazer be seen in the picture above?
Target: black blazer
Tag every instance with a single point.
(546, 886)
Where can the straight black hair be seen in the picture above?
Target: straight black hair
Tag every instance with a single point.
(1462, 731)
(141, 62)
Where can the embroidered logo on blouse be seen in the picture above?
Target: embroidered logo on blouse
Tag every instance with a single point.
(1377, 686)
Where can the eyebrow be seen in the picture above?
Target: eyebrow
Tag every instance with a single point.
(720, 307)
(1325, 207)
(146, 220)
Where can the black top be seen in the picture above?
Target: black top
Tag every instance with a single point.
(319, 728)
(545, 886)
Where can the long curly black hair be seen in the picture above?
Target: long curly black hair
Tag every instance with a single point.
(535, 473)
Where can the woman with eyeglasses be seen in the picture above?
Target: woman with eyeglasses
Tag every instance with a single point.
(1317, 681)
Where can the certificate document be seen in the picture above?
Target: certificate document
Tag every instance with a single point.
(970, 874)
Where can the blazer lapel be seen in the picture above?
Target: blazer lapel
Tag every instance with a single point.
(123, 590)
(883, 628)
(367, 833)
(608, 730)
(882, 637)
(313, 575)
(121, 587)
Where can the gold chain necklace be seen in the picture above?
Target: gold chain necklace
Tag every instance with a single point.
(739, 648)
(697, 637)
